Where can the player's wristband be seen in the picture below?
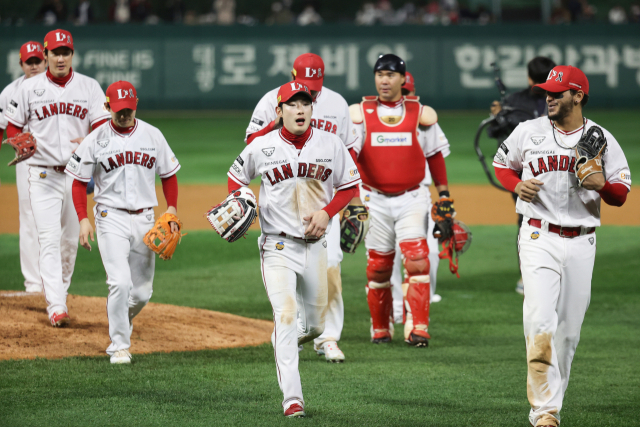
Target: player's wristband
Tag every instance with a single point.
(444, 194)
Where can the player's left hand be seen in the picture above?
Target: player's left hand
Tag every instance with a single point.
(86, 231)
(77, 140)
(174, 226)
(594, 182)
(318, 222)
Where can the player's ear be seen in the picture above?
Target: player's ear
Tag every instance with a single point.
(106, 107)
(279, 111)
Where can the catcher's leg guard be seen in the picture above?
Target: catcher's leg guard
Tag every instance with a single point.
(417, 292)
(379, 268)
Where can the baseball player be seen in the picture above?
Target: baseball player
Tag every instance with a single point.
(559, 197)
(398, 137)
(330, 114)
(300, 167)
(408, 89)
(123, 157)
(32, 63)
(60, 107)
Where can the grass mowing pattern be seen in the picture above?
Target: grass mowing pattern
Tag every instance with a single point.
(206, 143)
(473, 374)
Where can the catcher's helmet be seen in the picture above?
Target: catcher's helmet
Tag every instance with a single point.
(390, 62)
(462, 236)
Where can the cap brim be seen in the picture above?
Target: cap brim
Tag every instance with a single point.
(311, 84)
(40, 56)
(552, 86)
(56, 46)
(117, 106)
(296, 93)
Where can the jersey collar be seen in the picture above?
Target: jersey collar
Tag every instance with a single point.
(121, 134)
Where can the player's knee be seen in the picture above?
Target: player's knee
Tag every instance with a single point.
(416, 259)
(141, 294)
(379, 267)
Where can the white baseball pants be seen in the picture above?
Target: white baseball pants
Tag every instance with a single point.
(130, 267)
(29, 246)
(58, 229)
(295, 278)
(556, 272)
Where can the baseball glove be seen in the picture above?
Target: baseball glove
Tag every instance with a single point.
(25, 146)
(232, 218)
(161, 233)
(353, 227)
(589, 152)
(442, 213)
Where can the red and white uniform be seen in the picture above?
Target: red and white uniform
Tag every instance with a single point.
(556, 268)
(330, 114)
(29, 245)
(295, 183)
(124, 165)
(392, 163)
(55, 114)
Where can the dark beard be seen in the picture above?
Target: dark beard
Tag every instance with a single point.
(563, 113)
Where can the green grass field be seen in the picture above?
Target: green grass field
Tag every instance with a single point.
(473, 373)
(207, 142)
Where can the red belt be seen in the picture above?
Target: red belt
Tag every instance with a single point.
(308, 240)
(366, 187)
(59, 169)
(139, 211)
(562, 231)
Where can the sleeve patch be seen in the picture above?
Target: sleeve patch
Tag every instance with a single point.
(353, 172)
(504, 148)
(11, 108)
(257, 121)
(74, 163)
(625, 176)
(499, 158)
(240, 161)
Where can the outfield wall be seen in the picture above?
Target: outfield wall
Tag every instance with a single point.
(180, 67)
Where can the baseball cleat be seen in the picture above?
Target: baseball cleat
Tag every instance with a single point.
(418, 338)
(520, 287)
(330, 351)
(381, 337)
(59, 319)
(121, 357)
(294, 411)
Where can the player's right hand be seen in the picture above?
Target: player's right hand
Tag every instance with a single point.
(495, 108)
(528, 189)
(86, 230)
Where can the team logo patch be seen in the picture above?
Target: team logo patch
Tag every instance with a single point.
(39, 92)
(499, 158)
(173, 159)
(367, 198)
(43, 174)
(102, 142)
(591, 240)
(535, 235)
(235, 168)
(268, 151)
(324, 243)
(354, 172)
(149, 217)
(537, 140)
(280, 246)
(104, 213)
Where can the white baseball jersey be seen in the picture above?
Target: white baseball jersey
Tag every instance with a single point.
(541, 151)
(330, 113)
(124, 166)
(432, 138)
(56, 115)
(294, 185)
(5, 98)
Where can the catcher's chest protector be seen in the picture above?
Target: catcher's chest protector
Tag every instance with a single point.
(391, 159)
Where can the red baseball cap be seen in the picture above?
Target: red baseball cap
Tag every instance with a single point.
(287, 91)
(408, 82)
(31, 50)
(308, 69)
(58, 38)
(565, 77)
(121, 95)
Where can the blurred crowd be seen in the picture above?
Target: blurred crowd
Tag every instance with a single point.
(285, 12)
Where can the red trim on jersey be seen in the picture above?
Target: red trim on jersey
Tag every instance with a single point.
(170, 172)
(508, 178)
(232, 185)
(60, 81)
(79, 193)
(438, 168)
(13, 130)
(98, 124)
(569, 133)
(614, 194)
(119, 131)
(268, 128)
(170, 190)
(235, 178)
(340, 200)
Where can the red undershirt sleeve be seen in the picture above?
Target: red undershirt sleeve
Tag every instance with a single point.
(170, 190)
(340, 200)
(508, 178)
(614, 194)
(13, 130)
(98, 124)
(1, 133)
(261, 132)
(232, 185)
(79, 193)
(437, 168)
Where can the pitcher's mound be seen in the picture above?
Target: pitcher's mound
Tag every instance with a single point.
(25, 331)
